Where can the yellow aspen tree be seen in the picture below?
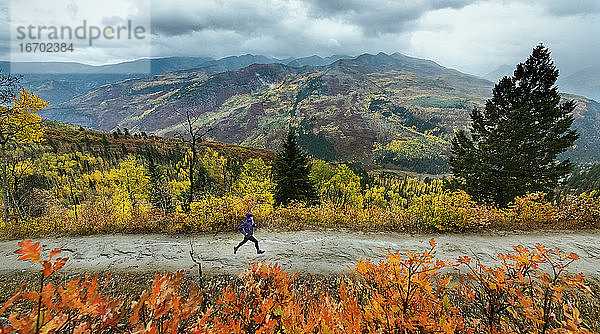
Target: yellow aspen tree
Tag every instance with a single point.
(19, 122)
(255, 184)
(133, 179)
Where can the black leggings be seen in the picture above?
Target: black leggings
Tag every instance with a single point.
(246, 238)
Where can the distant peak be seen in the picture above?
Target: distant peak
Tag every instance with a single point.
(398, 55)
(370, 55)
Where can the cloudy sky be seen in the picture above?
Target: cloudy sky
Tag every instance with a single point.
(469, 35)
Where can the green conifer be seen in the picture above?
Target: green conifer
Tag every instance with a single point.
(516, 139)
(291, 171)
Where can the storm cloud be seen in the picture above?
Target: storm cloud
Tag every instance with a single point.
(380, 17)
(474, 36)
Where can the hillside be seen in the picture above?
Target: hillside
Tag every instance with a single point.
(584, 82)
(498, 73)
(389, 110)
(65, 138)
(587, 122)
(57, 82)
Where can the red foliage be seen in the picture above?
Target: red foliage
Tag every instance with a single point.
(408, 293)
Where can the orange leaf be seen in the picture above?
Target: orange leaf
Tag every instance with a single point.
(59, 263)
(47, 268)
(81, 329)
(54, 252)
(10, 302)
(29, 251)
(432, 243)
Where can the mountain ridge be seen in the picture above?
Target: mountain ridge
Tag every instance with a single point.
(391, 110)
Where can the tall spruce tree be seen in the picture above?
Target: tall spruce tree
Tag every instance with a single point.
(515, 140)
(159, 194)
(291, 171)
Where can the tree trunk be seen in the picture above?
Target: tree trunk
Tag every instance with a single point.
(73, 199)
(191, 172)
(5, 184)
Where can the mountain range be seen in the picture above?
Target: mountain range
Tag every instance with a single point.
(57, 82)
(386, 110)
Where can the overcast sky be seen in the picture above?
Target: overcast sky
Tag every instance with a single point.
(471, 36)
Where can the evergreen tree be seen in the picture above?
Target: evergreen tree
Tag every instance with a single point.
(87, 142)
(203, 182)
(105, 145)
(515, 140)
(159, 194)
(291, 174)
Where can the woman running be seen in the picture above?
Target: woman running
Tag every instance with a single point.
(247, 229)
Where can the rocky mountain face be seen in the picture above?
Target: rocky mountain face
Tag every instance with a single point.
(57, 82)
(389, 110)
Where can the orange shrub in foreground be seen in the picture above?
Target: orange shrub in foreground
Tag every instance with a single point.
(529, 291)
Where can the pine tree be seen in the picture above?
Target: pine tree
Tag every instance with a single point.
(515, 140)
(159, 194)
(291, 174)
(105, 145)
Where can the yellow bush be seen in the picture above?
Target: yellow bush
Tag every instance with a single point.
(531, 209)
(446, 211)
(583, 209)
(376, 196)
(295, 216)
(225, 213)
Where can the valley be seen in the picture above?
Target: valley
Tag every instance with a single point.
(389, 111)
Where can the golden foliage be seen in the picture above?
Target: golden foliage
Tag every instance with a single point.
(20, 121)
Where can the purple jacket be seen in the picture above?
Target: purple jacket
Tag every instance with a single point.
(247, 228)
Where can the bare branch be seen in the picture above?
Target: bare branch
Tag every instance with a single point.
(196, 261)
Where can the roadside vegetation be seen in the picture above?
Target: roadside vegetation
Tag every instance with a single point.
(528, 290)
(85, 194)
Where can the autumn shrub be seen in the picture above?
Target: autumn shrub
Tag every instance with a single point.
(376, 196)
(298, 216)
(530, 291)
(295, 216)
(406, 294)
(391, 219)
(431, 211)
(485, 215)
(32, 227)
(213, 213)
(76, 307)
(165, 308)
(446, 211)
(265, 304)
(531, 210)
(581, 210)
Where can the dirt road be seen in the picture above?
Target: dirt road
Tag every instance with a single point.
(324, 252)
